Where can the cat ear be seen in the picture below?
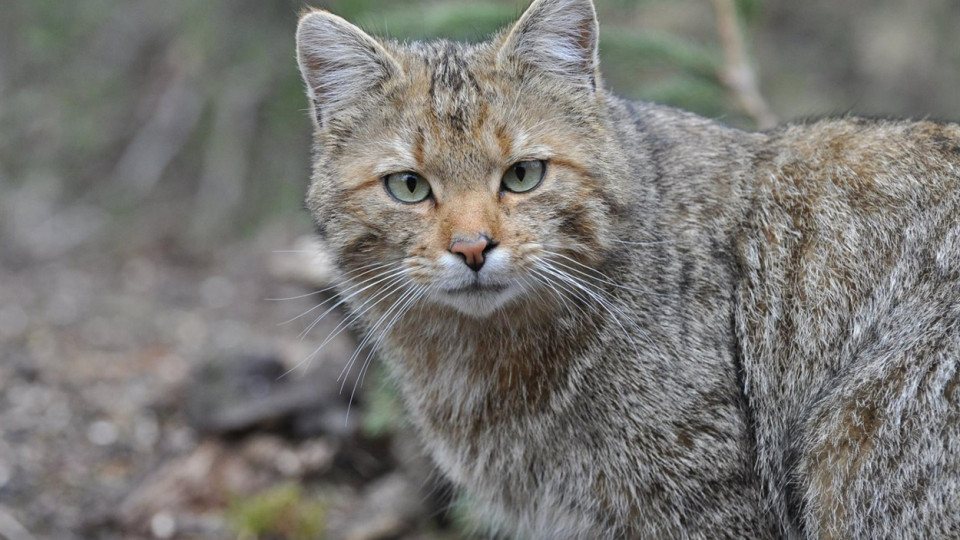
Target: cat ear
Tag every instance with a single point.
(339, 62)
(559, 36)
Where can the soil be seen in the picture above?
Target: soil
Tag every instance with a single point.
(158, 395)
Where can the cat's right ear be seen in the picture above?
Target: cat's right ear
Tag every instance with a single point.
(340, 63)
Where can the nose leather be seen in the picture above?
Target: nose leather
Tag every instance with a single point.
(472, 252)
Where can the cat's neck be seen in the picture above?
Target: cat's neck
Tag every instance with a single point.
(458, 369)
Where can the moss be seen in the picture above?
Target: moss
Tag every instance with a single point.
(282, 512)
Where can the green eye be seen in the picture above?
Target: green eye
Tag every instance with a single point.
(407, 187)
(524, 176)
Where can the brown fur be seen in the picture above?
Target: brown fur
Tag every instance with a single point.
(684, 331)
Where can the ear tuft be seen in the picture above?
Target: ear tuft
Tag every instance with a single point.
(339, 63)
(558, 36)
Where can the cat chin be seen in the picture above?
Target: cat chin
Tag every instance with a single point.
(478, 304)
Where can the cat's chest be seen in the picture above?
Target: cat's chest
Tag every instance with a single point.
(459, 380)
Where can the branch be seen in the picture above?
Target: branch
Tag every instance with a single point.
(736, 73)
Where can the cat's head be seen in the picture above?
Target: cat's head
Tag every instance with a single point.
(469, 176)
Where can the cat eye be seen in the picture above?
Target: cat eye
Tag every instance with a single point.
(407, 187)
(524, 176)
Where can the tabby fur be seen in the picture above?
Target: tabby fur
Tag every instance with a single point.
(686, 331)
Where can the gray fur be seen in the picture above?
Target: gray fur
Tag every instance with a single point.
(778, 353)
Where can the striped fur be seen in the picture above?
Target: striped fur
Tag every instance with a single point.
(686, 331)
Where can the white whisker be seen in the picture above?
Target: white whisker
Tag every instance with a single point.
(393, 283)
(544, 278)
(373, 330)
(652, 243)
(596, 295)
(378, 279)
(312, 309)
(365, 306)
(418, 293)
(299, 296)
(595, 274)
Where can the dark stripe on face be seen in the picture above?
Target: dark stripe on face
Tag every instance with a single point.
(575, 224)
(453, 88)
(418, 144)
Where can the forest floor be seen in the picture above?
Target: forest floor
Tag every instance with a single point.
(148, 396)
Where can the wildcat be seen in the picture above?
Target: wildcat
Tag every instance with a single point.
(613, 319)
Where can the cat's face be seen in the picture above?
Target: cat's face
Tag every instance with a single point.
(457, 175)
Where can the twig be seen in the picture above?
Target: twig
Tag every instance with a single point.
(736, 73)
(159, 140)
(228, 151)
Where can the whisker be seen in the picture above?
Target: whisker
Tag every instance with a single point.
(596, 274)
(378, 279)
(611, 309)
(552, 285)
(349, 319)
(651, 243)
(343, 278)
(596, 296)
(299, 296)
(372, 330)
(599, 295)
(525, 285)
(418, 294)
(318, 306)
(352, 318)
(360, 310)
(594, 291)
(363, 270)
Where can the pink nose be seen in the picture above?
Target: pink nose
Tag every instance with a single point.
(472, 251)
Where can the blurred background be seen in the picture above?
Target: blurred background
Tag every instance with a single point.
(153, 159)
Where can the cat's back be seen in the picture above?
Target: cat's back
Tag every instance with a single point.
(839, 208)
(849, 319)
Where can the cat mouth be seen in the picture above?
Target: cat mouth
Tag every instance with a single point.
(477, 288)
(477, 299)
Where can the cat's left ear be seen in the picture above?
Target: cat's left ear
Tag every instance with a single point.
(558, 36)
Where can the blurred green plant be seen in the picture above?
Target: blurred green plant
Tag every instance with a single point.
(448, 20)
(282, 512)
(750, 10)
(383, 414)
(465, 518)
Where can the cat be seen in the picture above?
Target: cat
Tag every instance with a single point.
(615, 319)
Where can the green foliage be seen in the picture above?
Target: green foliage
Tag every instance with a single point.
(384, 411)
(675, 71)
(280, 513)
(465, 518)
(689, 92)
(619, 46)
(750, 10)
(449, 20)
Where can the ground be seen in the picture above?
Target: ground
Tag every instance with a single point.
(147, 397)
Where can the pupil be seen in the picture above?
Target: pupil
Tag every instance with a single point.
(521, 172)
(411, 183)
